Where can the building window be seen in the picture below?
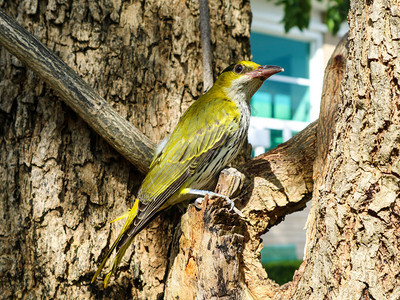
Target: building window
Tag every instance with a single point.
(282, 105)
(286, 95)
(290, 100)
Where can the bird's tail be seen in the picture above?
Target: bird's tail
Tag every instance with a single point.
(130, 215)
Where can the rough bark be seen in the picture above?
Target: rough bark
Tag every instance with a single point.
(353, 249)
(60, 183)
(330, 101)
(77, 94)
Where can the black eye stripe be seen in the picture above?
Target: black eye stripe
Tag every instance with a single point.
(232, 68)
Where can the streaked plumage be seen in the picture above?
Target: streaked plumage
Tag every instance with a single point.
(207, 137)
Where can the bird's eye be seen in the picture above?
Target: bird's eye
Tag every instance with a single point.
(238, 68)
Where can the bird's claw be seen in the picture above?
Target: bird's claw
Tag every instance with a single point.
(229, 202)
(198, 202)
(232, 204)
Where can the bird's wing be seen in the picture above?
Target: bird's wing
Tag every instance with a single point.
(197, 136)
(159, 150)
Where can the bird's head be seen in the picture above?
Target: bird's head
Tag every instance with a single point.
(244, 78)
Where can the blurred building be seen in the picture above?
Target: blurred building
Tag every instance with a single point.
(288, 101)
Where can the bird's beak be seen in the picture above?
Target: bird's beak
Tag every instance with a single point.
(264, 72)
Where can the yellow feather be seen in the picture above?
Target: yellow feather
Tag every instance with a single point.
(125, 215)
(131, 215)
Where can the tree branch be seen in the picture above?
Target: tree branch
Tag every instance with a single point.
(206, 44)
(89, 105)
(327, 121)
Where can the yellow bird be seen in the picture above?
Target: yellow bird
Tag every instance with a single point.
(207, 137)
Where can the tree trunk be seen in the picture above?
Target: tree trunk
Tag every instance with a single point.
(60, 183)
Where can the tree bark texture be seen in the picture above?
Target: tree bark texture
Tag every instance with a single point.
(89, 105)
(353, 249)
(60, 183)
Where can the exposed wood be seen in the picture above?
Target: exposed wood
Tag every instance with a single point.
(88, 104)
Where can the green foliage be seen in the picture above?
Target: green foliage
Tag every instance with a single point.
(297, 13)
(336, 14)
(282, 271)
